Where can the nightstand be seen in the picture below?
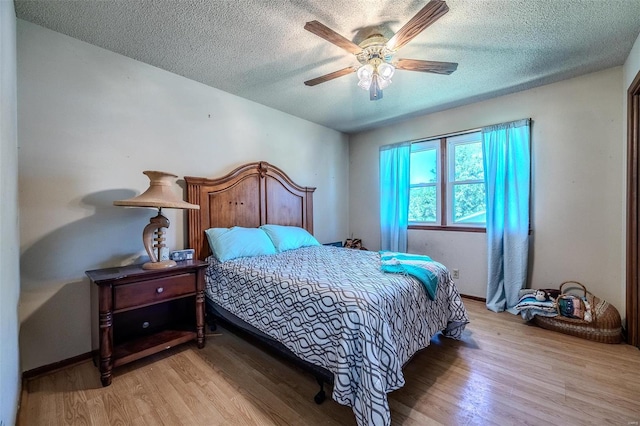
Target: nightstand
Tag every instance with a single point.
(142, 312)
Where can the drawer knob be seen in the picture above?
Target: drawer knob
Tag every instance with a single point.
(145, 324)
(159, 290)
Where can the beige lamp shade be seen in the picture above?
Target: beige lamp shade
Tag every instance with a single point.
(159, 194)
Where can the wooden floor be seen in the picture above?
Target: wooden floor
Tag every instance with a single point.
(502, 372)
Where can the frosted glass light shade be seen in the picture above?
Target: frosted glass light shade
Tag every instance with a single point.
(365, 84)
(386, 71)
(365, 72)
(365, 75)
(375, 78)
(383, 83)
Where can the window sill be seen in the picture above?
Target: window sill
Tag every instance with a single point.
(448, 228)
(452, 228)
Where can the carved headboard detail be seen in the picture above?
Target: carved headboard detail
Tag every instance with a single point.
(252, 195)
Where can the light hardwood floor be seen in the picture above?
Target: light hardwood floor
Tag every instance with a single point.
(502, 372)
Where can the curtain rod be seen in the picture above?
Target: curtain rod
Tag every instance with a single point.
(444, 135)
(462, 132)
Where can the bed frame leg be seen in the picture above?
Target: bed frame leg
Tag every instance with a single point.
(320, 396)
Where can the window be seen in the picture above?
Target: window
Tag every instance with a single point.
(447, 190)
(424, 183)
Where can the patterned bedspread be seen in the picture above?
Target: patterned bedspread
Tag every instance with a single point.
(333, 307)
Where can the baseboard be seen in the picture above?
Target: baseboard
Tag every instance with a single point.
(50, 368)
(479, 299)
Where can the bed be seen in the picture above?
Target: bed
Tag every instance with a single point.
(328, 309)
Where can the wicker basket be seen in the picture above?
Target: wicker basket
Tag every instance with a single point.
(605, 326)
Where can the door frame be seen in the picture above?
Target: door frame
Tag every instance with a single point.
(633, 211)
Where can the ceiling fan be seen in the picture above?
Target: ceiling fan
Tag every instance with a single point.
(375, 53)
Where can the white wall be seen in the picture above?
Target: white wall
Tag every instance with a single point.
(578, 199)
(9, 272)
(90, 121)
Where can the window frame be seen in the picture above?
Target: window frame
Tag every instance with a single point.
(427, 145)
(445, 184)
(452, 143)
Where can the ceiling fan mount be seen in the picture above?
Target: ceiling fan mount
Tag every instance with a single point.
(376, 51)
(374, 47)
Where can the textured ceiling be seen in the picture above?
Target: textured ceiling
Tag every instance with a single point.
(259, 50)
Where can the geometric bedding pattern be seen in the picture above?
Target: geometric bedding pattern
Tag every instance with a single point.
(333, 307)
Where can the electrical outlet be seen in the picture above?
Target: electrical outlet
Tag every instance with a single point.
(455, 273)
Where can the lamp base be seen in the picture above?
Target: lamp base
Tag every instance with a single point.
(163, 264)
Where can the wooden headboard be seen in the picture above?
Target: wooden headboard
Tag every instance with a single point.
(252, 195)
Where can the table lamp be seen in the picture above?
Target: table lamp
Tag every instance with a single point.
(159, 195)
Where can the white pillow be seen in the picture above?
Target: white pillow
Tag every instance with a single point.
(231, 243)
(289, 237)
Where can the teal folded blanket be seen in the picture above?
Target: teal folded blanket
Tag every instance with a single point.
(410, 264)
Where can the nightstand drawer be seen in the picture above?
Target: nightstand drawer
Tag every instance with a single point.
(152, 291)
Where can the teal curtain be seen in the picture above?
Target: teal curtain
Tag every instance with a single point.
(394, 196)
(507, 170)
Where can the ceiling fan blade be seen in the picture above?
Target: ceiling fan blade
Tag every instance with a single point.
(331, 36)
(425, 17)
(330, 76)
(426, 66)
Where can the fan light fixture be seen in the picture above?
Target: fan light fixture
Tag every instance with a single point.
(375, 78)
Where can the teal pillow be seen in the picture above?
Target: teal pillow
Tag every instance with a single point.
(289, 237)
(231, 243)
